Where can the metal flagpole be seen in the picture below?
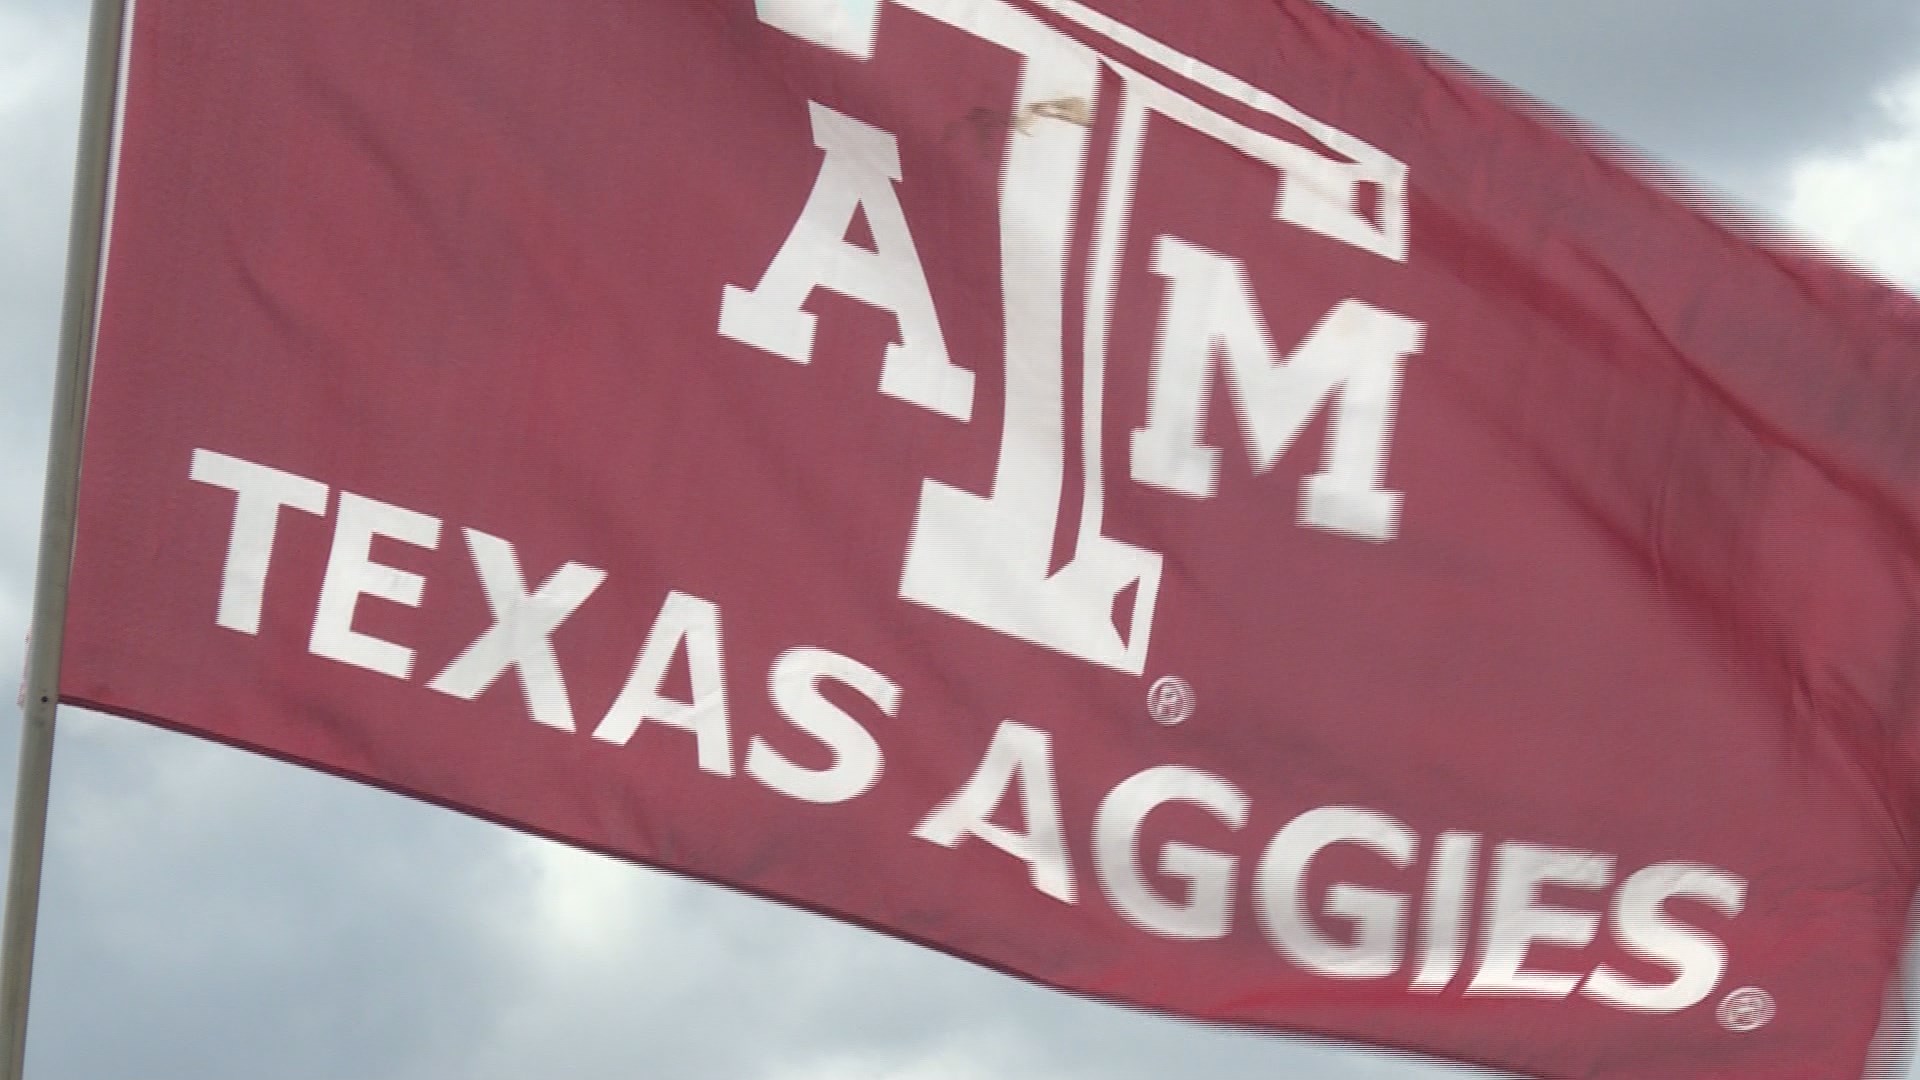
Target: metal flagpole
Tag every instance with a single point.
(86, 232)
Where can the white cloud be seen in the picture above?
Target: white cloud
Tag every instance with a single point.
(34, 61)
(1865, 203)
(950, 1063)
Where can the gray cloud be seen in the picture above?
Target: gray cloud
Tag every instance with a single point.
(233, 917)
(1728, 89)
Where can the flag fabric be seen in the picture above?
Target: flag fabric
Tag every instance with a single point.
(1200, 505)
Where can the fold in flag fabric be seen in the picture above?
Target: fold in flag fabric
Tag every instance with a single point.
(1198, 505)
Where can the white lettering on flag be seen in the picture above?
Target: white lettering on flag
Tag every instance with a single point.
(1378, 917)
(857, 177)
(690, 623)
(259, 494)
(794, 685)
(1023, 755)
(1207, 913)
(989, 557)
(521, 636)
(352, 574)
(1356, 352)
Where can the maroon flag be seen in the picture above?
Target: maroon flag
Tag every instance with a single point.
(1194, 504)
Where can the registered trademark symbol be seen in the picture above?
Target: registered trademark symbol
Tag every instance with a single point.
(1746, 1009)
(1170, 701)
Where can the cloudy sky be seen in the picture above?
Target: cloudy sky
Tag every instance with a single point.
(210, 915)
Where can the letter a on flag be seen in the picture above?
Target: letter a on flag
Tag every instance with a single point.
(1198, 505)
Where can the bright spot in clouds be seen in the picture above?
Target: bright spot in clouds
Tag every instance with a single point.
(1865, 204)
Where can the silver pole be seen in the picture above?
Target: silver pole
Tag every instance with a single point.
(99, 94)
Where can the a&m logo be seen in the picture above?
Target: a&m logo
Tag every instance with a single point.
(987, 557)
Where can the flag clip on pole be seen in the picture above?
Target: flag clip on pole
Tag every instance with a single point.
(86, 233)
